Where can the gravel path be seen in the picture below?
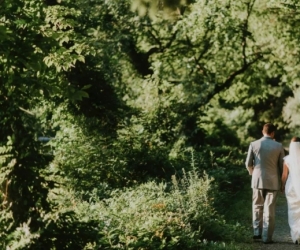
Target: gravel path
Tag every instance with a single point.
(281, 235)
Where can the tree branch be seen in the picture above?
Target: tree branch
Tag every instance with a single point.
(225, 85)
(245, 32)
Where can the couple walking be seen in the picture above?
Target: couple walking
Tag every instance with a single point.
(272, 171)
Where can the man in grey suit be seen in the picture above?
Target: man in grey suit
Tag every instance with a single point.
(265, 162)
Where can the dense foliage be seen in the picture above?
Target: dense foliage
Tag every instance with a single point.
(149, 106)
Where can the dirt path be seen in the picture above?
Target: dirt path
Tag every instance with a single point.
(282, 231)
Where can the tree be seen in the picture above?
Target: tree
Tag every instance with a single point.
(33, 40)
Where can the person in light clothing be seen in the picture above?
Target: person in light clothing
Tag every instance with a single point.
(291, 186)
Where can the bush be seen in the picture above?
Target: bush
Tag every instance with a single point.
(175, 215)
(158, 216)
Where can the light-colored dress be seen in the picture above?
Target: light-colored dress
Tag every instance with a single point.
(293, 201)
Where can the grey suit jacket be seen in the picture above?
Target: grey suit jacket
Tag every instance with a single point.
(266, 157)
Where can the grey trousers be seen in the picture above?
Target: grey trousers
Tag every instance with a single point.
(263, 211)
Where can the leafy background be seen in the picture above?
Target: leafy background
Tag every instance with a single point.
(147, 107)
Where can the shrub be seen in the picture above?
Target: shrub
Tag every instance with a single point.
(159, 216)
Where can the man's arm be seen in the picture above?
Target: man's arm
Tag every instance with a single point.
(249, 160)
(280, 161)
(284, 176)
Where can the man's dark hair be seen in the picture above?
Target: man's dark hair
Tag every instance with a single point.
(269, 128)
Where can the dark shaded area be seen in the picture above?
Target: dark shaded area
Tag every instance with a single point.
(50, 2)
(140, 60)
(102, 102)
